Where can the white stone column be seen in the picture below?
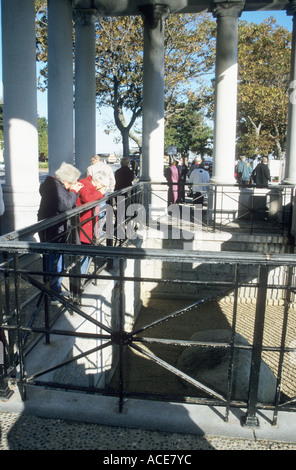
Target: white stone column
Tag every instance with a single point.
(21, 191)
(60, 84)
(290, 173)
(85, 87)
(153, 93)
(152, 165)
(225, 90)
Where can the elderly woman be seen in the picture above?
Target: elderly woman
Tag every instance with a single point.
(172, 176)
(58, 194)
(103, 172)
(92, 190)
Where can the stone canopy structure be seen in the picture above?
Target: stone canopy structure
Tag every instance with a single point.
(68, 123)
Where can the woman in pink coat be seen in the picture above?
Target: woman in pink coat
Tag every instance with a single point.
(172, 176)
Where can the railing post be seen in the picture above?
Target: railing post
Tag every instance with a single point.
(291, 237)
(5, 391)
(283, 341)
(22, 387)
(75, 281)
(250, 419)
(121, 328)
(46, 299)
(7, 293)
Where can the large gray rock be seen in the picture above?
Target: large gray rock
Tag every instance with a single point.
(210, 366)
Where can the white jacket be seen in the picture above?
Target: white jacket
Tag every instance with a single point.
(197, 177)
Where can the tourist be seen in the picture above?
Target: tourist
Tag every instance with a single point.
(101, 171)
(58, 194)
(92, 190)
(2, 205)
(173, 178)
(242, 172)
(182, 168)
(261, 174)
(196, 163)
(199, 179)
(124, 176)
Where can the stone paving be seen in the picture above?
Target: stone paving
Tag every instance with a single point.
(27, 432)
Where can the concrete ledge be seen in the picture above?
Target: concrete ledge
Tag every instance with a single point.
(151, 415)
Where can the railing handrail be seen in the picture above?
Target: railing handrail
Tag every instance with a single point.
(27, 247)
(46, 223)
(66, 215)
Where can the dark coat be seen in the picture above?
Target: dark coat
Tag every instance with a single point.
(124, 177)
(261, 175)
(55, 199)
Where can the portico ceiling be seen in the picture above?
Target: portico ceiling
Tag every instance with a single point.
(132, 7)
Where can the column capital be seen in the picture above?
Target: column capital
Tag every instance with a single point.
(153, 14)
(222, 8)
(85, 16)
(291, 9)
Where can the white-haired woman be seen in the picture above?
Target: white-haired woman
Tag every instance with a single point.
(58, 194)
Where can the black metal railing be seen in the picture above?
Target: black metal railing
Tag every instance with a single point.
(27, 318)
(244, 208)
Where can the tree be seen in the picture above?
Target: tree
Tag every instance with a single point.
(188, 54)
(187, 131)
(264, 74)
(264, 64)
(189, 46)
(41, 41)
(119, 68)
(42, 139)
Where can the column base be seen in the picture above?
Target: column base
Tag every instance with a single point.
(222, 181)
(290, 181)
(5, 391)
(21, 207)
(156, 201)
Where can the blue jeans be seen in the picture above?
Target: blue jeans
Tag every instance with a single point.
(55, 264)
(84, 264)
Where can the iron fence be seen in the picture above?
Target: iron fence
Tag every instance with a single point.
(28, 319)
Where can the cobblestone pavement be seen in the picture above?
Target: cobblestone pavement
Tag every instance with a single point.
(27, 432)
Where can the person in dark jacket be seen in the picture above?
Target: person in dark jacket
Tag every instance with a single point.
(124, 176)
(261, 174)
(183, 170)
(58, 194)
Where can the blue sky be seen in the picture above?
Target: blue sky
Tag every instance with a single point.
(259, 16)
(105, 143)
